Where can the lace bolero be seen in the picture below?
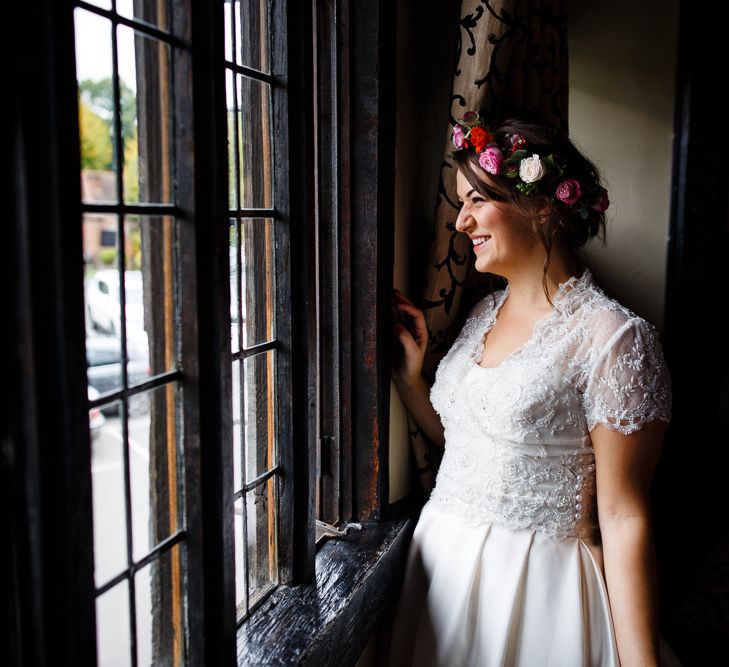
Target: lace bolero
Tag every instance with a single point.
(518, 448)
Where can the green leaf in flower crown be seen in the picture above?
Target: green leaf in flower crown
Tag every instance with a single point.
(515, 159)
(518, 155)
(510, 169)
(527, 188)
(553, 166)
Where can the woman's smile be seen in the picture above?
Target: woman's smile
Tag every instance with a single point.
(480, 242)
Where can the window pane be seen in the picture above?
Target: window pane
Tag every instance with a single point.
(260, 413)
(154, 13)
(233, 139)
(252, 47)
(258, 285)
(155, 467)
(260, 546)
(238, 443)
(256, 178)
(107, 484)
(240, 566)
(101, 275)
(151, 295)
(235, 288)
(262, 538)
(101, 305)
(228, 18)
(112, 627)
(95, 107)
(160, 602)
(144, 87)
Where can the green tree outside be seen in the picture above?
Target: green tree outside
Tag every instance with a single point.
(97, 151)
(99, 96)
(96, 114)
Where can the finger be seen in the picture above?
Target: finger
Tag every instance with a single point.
(414, 311)
(399, 295)
(398, 312)
(417, 321)
(420, 336)
(406, 339)
(397, 316)
(421, 333)
(414, 342)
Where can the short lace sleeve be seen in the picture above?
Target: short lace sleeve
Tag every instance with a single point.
(628, 383)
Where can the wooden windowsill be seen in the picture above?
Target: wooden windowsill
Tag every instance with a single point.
(329, 622)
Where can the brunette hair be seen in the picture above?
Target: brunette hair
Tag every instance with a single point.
(550, 221)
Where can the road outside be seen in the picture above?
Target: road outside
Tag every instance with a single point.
(110, 544)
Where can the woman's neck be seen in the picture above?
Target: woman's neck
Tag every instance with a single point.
(526, 291)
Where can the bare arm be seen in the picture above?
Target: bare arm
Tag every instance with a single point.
(412, 335)
(415, 395)
(624, 467)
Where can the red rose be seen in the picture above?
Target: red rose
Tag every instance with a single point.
(568, 191)
(479, 138)
(517, 143)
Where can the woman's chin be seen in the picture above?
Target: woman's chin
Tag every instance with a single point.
(483, 264)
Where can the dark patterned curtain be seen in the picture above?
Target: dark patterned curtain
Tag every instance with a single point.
(511, 58)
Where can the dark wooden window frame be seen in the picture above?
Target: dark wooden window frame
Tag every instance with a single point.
(275, 82)
(45, 462)
(340, 96)
(49, 606)
(354, 110)
(346, 247)
(169, 337)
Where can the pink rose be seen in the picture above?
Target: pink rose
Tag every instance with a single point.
(604, 202)
(491, 159)
(458, 138)
(568, 191)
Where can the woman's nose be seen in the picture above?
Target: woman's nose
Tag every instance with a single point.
(463, 221)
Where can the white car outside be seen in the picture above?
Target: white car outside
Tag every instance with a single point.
(103, 305)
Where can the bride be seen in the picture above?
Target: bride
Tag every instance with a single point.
(535, 547)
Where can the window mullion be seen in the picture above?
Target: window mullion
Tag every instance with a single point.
(202, 191)
(293, 199)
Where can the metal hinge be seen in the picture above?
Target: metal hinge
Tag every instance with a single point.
(324, 529)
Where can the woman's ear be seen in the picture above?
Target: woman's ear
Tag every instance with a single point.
(544, 214)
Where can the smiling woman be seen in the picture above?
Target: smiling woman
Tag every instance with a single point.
(549, 191)
(551, 398)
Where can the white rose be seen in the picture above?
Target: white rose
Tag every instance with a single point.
(531, 169)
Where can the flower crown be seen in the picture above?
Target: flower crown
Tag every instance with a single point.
(505, 154)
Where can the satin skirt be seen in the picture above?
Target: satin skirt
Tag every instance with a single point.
(492, 596)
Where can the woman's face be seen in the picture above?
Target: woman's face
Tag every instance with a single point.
(503, 238)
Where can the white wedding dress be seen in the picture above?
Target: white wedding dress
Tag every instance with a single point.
(505, 564)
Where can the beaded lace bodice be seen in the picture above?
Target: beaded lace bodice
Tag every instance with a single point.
(518, 450)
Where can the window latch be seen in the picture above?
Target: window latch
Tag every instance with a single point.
(325, 529)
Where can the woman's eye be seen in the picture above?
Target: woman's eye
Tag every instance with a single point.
(478, 199)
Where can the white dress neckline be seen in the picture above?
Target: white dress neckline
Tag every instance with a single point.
(490, 321)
